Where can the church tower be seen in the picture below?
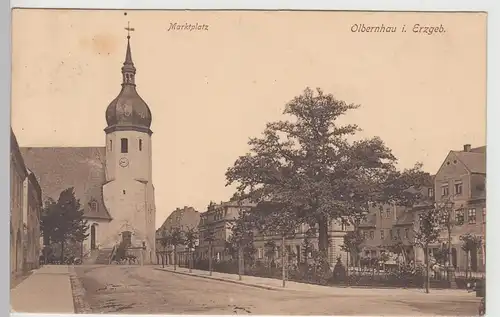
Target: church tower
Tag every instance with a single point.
(128, 192)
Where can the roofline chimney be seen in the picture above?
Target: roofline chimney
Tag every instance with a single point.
(467, 147)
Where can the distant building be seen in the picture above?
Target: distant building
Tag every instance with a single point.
(181, 218)
(25, 212)
(215, 225)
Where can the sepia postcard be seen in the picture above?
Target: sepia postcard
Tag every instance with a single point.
(248, 162)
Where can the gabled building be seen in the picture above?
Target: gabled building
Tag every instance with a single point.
(183, 219)
(461, 181)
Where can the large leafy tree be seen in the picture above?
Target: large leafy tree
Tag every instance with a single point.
(310, 163)
(63, 221)
(470, 243)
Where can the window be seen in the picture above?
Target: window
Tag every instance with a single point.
(260, 253)
(407, 233)
(471, 216)
(458, 188)
(431, 192)
(445, 191)
(124, 145)
(398, 234)
(382, 236)
(388, 213)
(372, 235)
(459, 217)
(390, 233)
(140, 144)
(110, 145)
(484, 214)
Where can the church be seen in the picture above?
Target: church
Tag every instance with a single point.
(114, 182)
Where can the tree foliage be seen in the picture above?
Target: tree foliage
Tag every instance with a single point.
(353, 242)
(63, 221)
(242, 235)
(309, 163)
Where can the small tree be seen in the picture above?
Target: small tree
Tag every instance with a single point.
(307, 245)
(280, 218)
(470, 243)
(191, 237)
(176, 238)
(241, 238)
(353, 241)
(165, 241)
(427, 232)
(63, 221)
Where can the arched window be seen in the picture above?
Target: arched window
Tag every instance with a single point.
(110, 145)
(124, 145)
(140, 144)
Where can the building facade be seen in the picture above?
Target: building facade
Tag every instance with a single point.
(32, 211)
(25, 211)
(301, 246)
(114, 182)
(461, 182)
(216, 226)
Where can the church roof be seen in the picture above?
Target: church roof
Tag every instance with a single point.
(58, 168)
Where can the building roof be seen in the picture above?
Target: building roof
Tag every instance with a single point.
(58, 168)
(474, 159)
(186, 217)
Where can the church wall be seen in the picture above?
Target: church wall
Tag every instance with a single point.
(151, 223)
(138, 156)
(101, 227)
(125, 200)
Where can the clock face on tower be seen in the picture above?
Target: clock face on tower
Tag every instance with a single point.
(123, 162)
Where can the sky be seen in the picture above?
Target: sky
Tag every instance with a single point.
(210, 90)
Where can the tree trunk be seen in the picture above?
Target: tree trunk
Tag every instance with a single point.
(283, 253)
(175, 258)
(427, 269)
(240, 263)
(323, 235)
(62, 252)
(466, 264)
(190, 261)
(210, 258)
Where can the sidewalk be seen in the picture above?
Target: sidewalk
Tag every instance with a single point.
(275, 284)
(47, 290)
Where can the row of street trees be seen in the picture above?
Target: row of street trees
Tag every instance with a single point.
(179, 236)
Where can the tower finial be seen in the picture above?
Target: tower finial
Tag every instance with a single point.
(128, 28)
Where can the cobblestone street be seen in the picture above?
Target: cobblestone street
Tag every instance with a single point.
(143, 290)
